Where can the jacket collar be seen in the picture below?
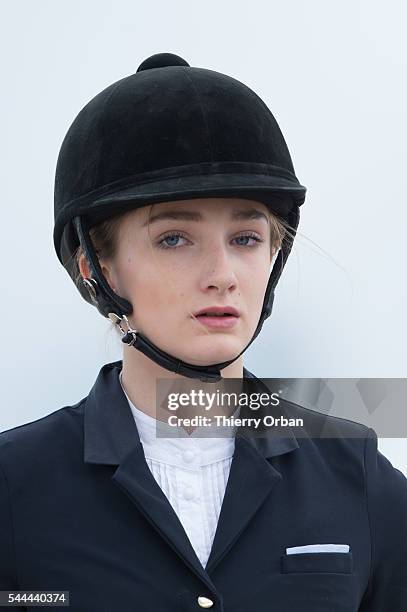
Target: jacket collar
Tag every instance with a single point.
(110, 432)
(111, 437)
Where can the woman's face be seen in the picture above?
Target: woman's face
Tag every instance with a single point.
(212, 257)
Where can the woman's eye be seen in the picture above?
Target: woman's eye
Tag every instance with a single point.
(163, 244)
(250, 236)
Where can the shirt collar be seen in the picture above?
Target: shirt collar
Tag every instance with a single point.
(174, 446)
(110, 430)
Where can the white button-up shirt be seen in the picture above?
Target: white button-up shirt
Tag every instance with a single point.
(192, 471)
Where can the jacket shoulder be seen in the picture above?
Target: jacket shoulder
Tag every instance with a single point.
(47, 431)
(327, 425)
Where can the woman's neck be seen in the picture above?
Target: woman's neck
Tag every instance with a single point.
(143, 379)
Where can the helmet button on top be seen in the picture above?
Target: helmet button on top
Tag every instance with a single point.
(161, 60)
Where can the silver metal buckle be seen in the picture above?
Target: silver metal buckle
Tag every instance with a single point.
(92, 287)
(118, 321)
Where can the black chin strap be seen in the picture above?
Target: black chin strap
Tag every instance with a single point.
(210, 373)
(116, 308)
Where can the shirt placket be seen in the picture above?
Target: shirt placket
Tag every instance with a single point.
(190, 500)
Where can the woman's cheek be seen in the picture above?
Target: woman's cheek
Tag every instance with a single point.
(173, 299)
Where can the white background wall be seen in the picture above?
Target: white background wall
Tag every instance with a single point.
(332, 73)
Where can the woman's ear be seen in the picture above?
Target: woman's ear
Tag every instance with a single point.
(83, 266)
(84, 269)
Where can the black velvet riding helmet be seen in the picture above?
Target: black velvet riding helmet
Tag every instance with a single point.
(169, 132)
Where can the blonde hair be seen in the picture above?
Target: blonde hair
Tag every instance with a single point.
(105, 240)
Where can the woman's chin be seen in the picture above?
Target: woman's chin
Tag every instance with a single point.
(212, 351)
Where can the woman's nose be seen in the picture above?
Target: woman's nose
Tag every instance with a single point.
(218, 269)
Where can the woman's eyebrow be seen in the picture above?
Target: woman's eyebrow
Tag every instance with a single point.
(186, 215)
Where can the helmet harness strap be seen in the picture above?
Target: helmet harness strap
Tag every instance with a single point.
(116, 308)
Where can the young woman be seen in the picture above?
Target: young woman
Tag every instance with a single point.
(175, 194)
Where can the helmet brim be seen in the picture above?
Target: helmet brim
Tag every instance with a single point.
(280, 194)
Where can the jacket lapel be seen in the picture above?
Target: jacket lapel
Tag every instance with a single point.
(250, 481)
(111, 437)
(251, 477)
(133, 476)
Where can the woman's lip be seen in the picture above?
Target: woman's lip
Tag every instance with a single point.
(223, 322)
(219, 310)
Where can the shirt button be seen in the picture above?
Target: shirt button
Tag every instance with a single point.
(204, 602)
(189, 493)
(188, 456)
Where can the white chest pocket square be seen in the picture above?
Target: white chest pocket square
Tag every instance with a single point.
(318, 548)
